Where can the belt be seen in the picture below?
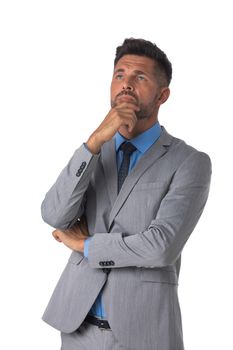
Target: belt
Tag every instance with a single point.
(102, 324)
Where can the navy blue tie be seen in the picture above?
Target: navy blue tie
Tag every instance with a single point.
(127, 149)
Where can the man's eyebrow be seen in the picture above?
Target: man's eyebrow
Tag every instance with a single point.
(119, 70)
(139, 72)
(135, 71)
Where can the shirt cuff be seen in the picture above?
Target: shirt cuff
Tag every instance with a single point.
(86, 244)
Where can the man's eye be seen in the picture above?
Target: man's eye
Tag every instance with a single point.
(141, 77)
(119, 76)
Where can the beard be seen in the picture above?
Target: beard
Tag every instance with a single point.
(145, 111)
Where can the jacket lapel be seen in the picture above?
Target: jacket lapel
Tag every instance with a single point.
(149, 158)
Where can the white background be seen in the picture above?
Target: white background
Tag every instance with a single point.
(55, 71)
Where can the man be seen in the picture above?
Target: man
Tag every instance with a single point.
(126, 204)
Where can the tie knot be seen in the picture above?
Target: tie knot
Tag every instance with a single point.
(127, 148)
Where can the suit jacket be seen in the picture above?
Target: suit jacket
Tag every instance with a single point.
(139, 233)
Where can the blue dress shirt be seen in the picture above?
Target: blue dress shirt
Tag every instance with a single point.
(142, 142)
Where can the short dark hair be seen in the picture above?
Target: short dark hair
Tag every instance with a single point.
(146, 48)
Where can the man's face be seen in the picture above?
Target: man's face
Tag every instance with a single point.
(134, 81)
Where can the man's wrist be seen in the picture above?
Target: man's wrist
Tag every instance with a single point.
(92, 145)
(78, 245)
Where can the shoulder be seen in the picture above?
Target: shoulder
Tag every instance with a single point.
(182, 156)
(180, 148)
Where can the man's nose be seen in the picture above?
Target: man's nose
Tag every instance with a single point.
(128, 85)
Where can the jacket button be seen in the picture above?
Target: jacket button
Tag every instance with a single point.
(79, 172)
(83, 165)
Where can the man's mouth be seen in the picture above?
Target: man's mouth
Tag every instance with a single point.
(127, 96)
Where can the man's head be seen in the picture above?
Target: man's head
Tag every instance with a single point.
(141, 47)
(142, 74)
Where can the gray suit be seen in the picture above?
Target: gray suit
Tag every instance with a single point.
(139, 233)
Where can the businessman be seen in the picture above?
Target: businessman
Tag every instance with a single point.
(125, 205)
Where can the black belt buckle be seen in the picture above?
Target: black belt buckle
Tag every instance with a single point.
(101, 324)
(104, 325)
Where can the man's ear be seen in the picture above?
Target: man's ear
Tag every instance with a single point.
(164, 94)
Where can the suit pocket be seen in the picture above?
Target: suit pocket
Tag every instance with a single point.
(76, 258)
(158, 276)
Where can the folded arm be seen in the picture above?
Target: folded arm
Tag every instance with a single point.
(162, 242)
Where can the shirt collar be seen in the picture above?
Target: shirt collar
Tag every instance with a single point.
(143, 141)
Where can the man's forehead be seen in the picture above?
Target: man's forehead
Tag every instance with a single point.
(135, 62)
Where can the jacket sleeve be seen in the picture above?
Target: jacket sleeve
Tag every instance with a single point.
(64, 202)
(162, 242)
